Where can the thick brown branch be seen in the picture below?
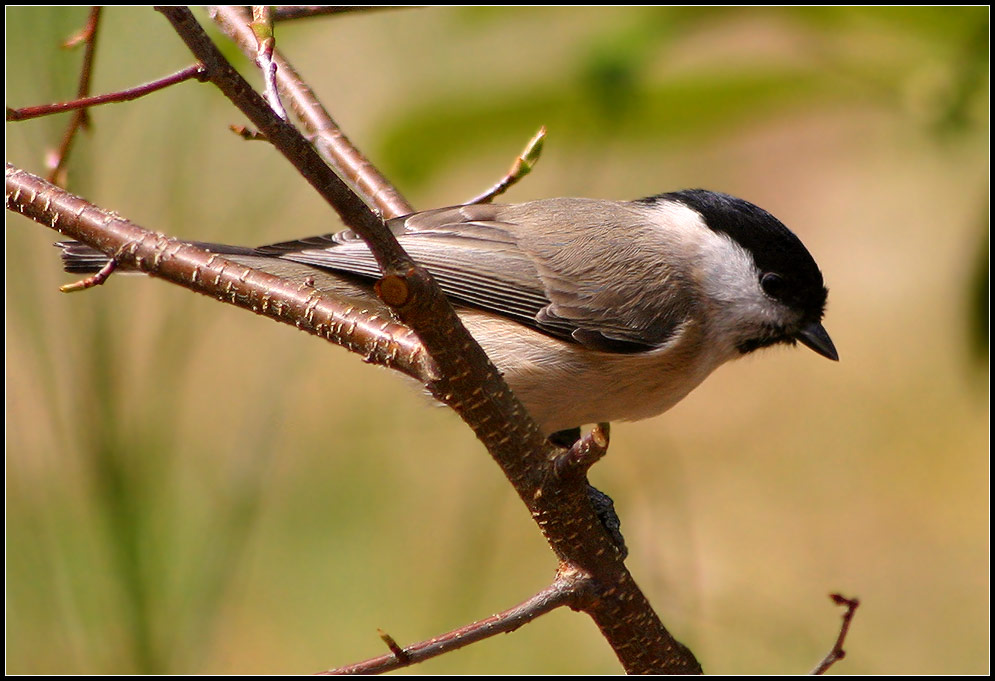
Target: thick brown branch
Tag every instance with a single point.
(329, 139)
(561, 592)
(379, 340)
(24, 113)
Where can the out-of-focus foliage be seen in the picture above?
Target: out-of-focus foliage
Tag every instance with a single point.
(192, 489)
(618, 86)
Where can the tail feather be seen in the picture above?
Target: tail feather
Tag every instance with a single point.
(78, 258)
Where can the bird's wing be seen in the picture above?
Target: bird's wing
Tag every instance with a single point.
(486, 256)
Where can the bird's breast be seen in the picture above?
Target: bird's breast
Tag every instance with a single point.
(564, 385)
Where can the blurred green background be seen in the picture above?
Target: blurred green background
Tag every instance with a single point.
(193, 489)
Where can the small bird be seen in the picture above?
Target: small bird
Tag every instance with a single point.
(593, 310)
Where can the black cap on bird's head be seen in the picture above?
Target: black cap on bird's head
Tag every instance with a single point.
(788, 273)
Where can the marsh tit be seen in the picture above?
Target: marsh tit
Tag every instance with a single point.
(592, 310)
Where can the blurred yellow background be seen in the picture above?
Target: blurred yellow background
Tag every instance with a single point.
(194, 489)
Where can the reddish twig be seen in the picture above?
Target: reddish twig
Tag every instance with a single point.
(195, 71)
(559, 593)
(88, 35)
(522, 166)
(837, 653)
(93, 280)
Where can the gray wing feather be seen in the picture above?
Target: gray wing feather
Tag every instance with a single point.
(498, 258)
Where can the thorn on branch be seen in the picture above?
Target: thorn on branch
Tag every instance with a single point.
(837, 653)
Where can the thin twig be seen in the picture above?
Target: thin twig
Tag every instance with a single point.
(559, 593)
(329, 139)
(522, 166)
(262, 28)
(837, 653)
(88, 35)
(24, 113)
(94, 280)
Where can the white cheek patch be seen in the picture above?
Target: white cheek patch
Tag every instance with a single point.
(727, 277)
(730, 275)
(725, 269)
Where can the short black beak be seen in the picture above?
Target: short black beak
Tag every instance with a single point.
(815, 337)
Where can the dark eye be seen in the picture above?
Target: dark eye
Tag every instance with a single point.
(773, 284)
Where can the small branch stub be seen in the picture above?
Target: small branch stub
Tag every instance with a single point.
(402, 657)
(393, 290)
(584, 453)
